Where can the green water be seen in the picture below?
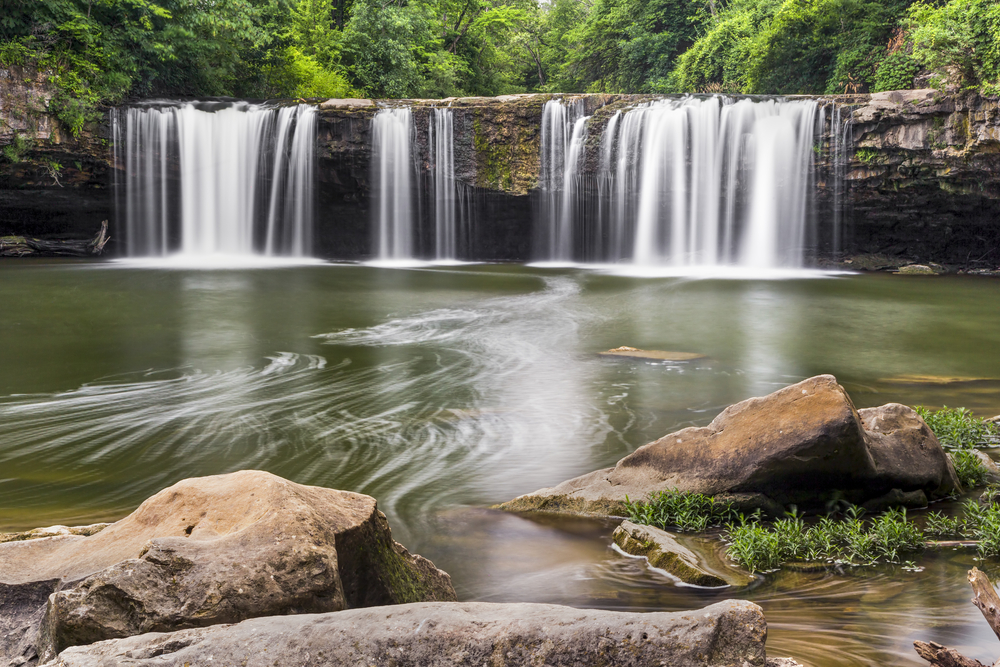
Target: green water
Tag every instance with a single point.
(441, 391)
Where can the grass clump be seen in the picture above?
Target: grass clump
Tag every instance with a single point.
(969, 468)
(852, 540)
(956, 428)
(686, 512)
(980, 521)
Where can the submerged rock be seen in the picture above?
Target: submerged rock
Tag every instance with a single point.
(213, 550)
(652, 355)
(726, 634)
(805, 445)
(663, 551)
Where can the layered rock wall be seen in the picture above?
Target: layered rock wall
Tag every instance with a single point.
(52, 185)
(921, 179)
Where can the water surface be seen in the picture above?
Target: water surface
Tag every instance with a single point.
(441, 391)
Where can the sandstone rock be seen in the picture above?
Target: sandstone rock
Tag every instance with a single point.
(916, 270)
(652, 355)
(783, 662)
(992, 469)
(729, 634)
(354, 103)
(804, 445)
(665, 552)
(906, 454)
(219, 550)
(54, 531)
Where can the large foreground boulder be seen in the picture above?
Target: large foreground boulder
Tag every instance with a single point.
(207, 551)
(805, 445)
(726, 634)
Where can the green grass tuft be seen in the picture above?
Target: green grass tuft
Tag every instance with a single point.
(956, 428)
(686, 512)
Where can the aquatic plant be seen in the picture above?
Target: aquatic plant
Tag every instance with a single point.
(956, 428)
(969, 468)
(851, 540)
(686, 512)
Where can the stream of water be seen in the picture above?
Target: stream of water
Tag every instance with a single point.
(441, 391)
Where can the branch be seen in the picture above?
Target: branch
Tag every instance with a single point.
(986, 598)
(988, 602)
(941, 656)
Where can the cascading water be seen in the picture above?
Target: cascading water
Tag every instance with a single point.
(241, 176)
(393, 175)
(694, 182)
(441, 138)
(563, 134)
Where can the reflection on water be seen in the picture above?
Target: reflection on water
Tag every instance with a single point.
(442, 391)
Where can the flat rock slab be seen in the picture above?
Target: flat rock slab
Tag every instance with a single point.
(207, 551)
(664, 551)
(805, 445)
(460, 634)
(652, 355)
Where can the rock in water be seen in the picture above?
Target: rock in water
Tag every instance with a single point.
(805, 445)
(215, 550)
(726, 634)
(663, 551)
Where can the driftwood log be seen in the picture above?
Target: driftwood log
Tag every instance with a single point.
(988, 602)
(22, 246)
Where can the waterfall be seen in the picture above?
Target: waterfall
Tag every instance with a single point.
(686, 182)
(392, 176)
(842, 140)
(441, 139)
(233, 179)
(560, 157)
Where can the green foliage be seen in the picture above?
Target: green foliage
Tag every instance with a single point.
(969, 468)
(885, 538)
(100, 52)
(959, 37)
(896, 72)
(956, 428)
(980, 521)
(691, 512)
(19, 146)
(867, 155)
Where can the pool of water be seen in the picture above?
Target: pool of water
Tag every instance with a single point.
(443, 390)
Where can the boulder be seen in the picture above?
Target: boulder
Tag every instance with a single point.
(665, 552)
(215, 550)
(805, 445)
(726, 634)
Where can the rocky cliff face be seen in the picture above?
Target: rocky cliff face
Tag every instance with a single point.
(52, 184)
(924, 179)
(920, 177)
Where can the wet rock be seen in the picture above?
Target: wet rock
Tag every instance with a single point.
(53, 531)
(665, 552)
(896, 498)
(906, 454)
(219, 550)
(916, 270)
(992, 469)
(652, 355)
(726, 634)
(783, 662)
(804, 445)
